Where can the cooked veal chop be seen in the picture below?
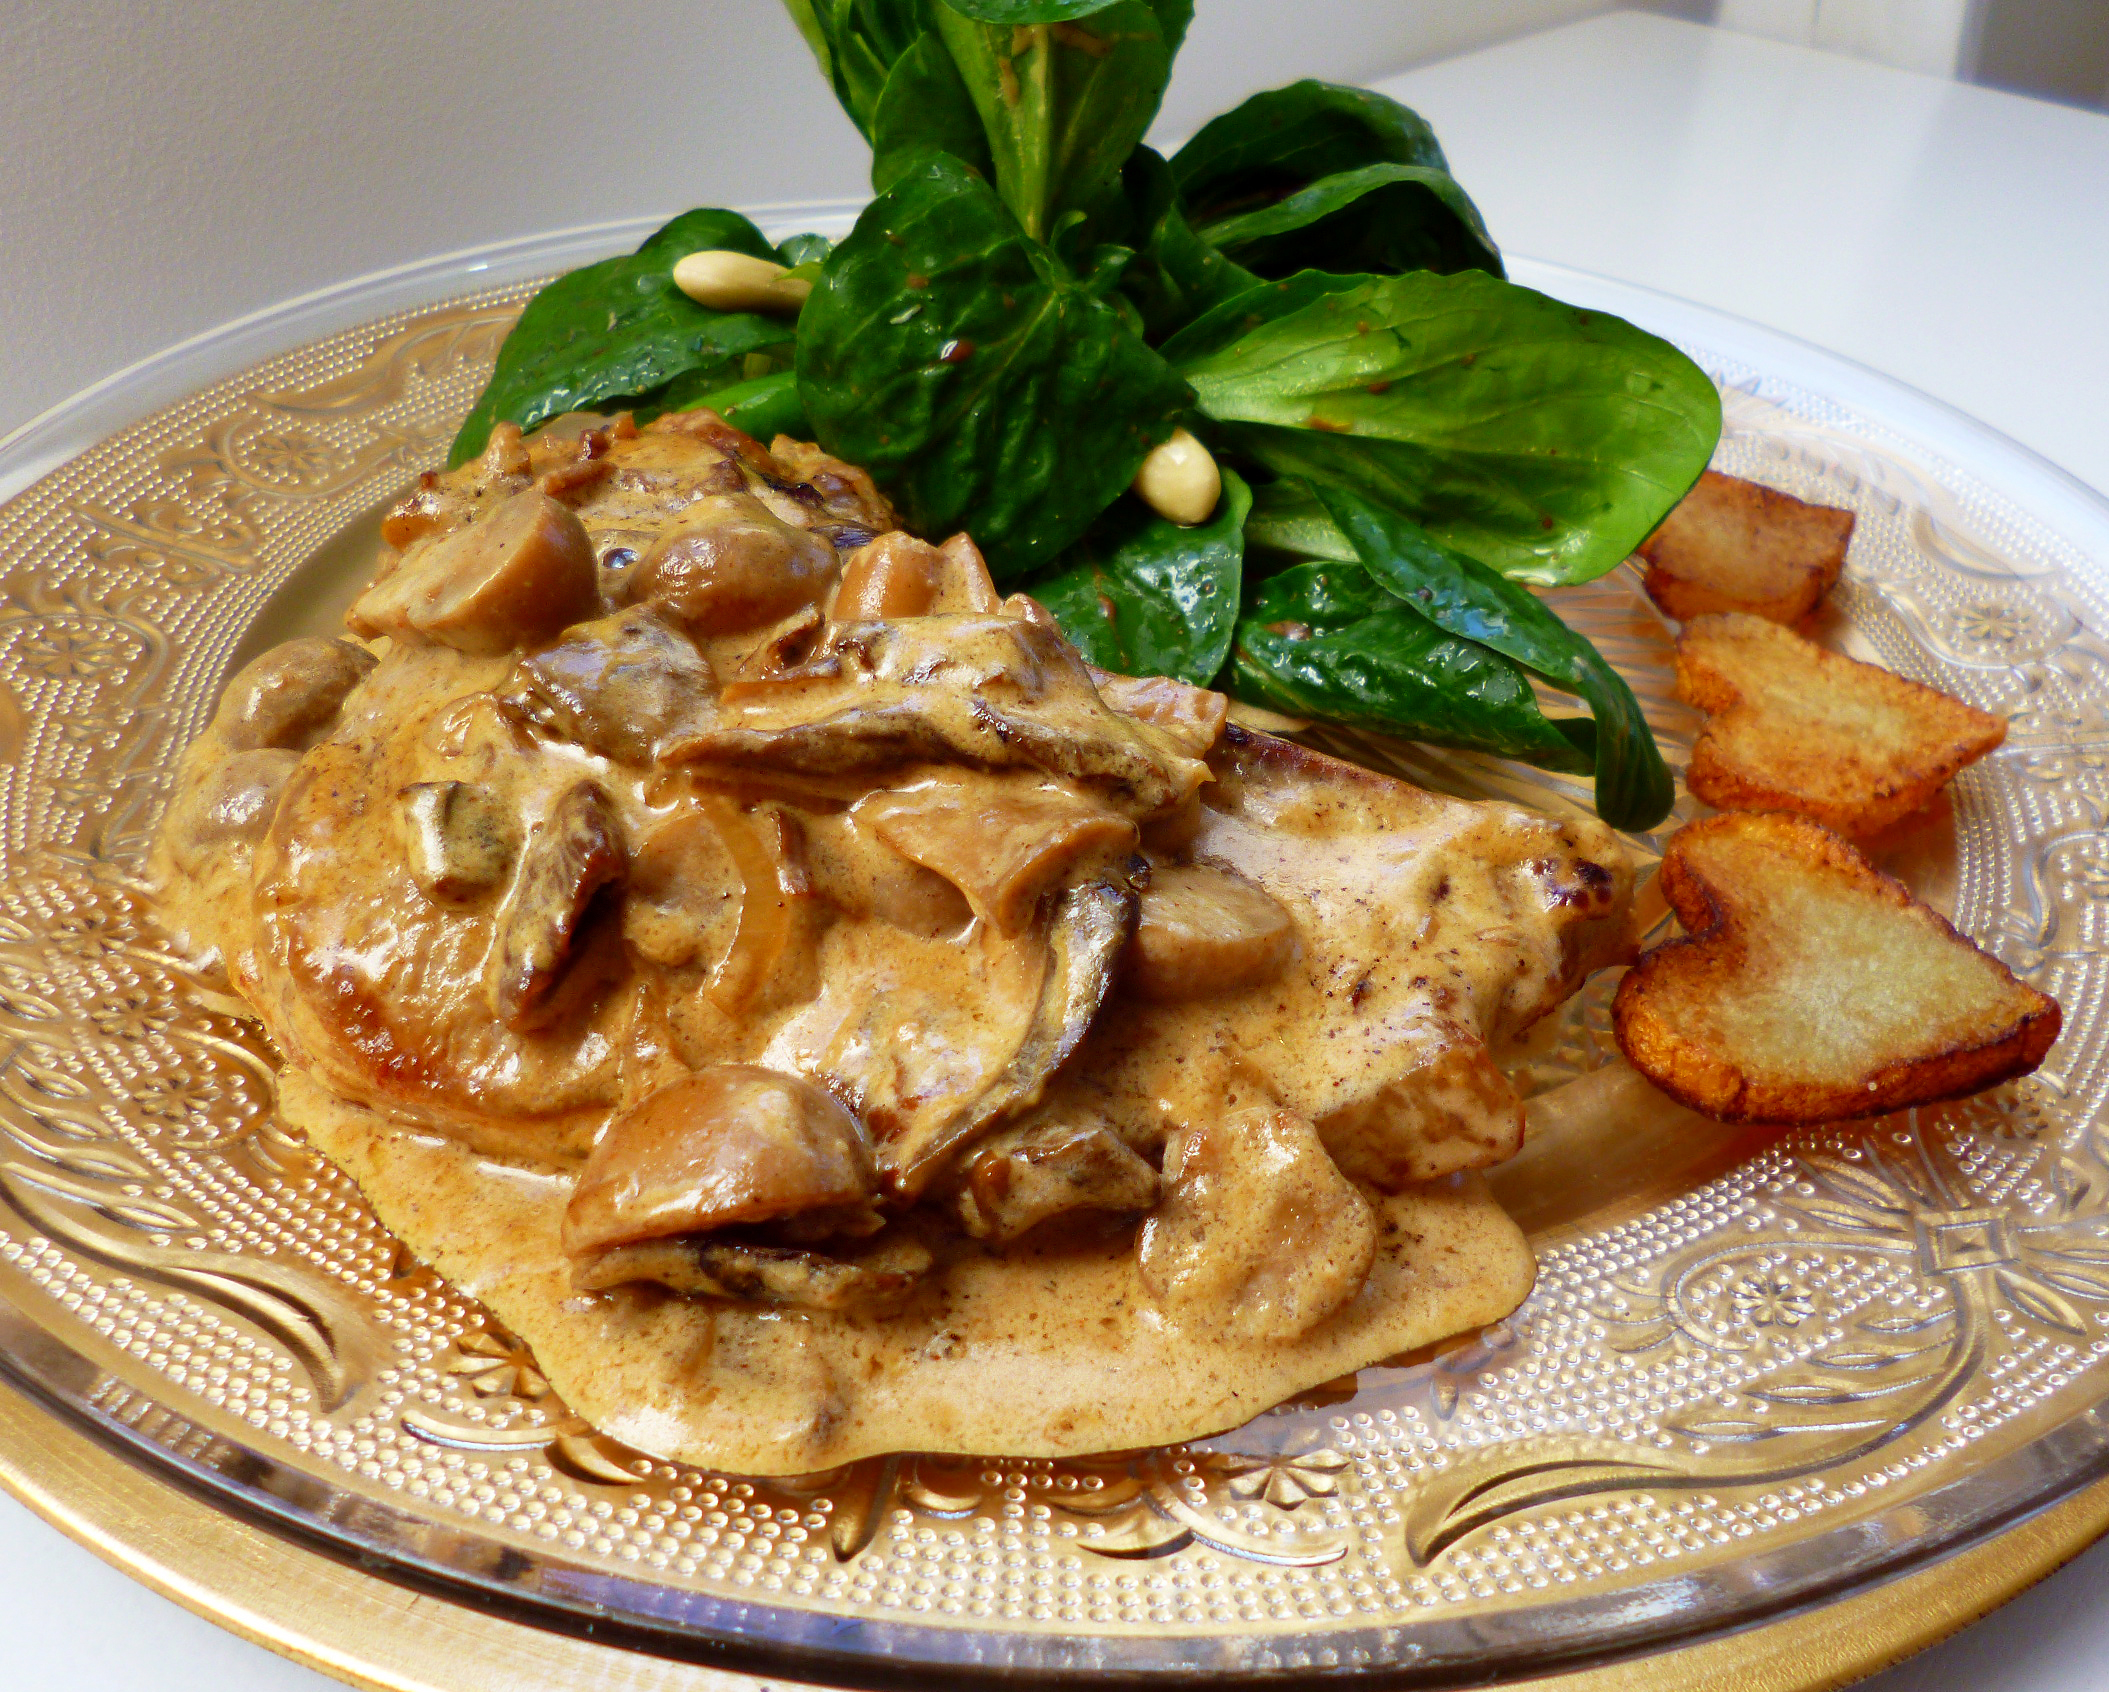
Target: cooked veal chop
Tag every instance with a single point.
(903, 1035)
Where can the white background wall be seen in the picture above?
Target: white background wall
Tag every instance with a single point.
(166, 165)
(2055, 48)
(1935, 36)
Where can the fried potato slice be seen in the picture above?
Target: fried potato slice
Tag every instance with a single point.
(1792, 727)
(1733, 545)
(1813, 988)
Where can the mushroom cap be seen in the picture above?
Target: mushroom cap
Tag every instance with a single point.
(729, 1144)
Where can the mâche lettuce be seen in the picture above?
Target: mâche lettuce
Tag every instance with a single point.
(1036, 299)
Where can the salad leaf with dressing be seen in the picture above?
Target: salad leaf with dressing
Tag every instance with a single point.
(1142, 595)
(1544, 441)
(617, 334)
(981, 383)
(1316, 176)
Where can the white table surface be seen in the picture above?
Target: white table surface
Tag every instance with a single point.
(1948, 236)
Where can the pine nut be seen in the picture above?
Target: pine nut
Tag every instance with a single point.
(1179, 480)
(728, 281)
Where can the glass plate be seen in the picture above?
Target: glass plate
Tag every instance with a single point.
(1758, 1370)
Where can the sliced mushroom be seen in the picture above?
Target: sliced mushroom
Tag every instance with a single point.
(232, 804)
(1023, 1175)
(685, 894)
(705, 427)
(733, 565)
(1194, 716)
(990, 691)
(571, 480)
(1089, 926)
(505, 453)
(968, 589)
(849, 500)
(658, 474)
(289, 698)
(617, 685)
(860, 875)
(572, 854)
(1431, 1104)
(898, 575)
(1001, 842)
(1200, 931)
(730, 1145)
(460, 839)
(782, 648)
(1259, 1232)
(424, 511)
(518, 574)
(1023, 608)
(1147, 779)
(761, 1272)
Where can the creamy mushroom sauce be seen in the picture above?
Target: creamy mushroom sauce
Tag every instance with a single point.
(824, 1015)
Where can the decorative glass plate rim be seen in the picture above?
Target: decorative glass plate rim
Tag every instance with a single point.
(680, 1623)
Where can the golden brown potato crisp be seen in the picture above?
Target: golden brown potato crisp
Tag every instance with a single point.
(1813, 988)
(1791, 727)
(1734, 545)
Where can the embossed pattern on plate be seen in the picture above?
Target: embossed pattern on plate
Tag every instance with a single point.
(1756, 1369)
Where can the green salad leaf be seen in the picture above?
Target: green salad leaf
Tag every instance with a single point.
(1143, 596)
(1326, 639)
(1064, 104)
(857, 43)
(924, 109)
(1233, 318)
(1462, 597)
(1174, 276)
(1012, 14)
(618, 332)
(796, 250)
(1542, 440)
(1288, 519)
(1381, 218)
(1317, 176)
(956, 359)
(1036, 299)
(766, 407)
(1279, 141)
